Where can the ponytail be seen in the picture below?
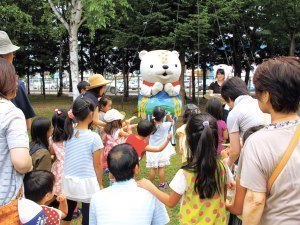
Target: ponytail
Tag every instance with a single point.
(68, 129)
(202, 137)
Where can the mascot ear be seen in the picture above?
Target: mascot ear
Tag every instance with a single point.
(175, 53)
(142, 54)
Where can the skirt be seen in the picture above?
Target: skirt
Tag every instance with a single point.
(80, 189)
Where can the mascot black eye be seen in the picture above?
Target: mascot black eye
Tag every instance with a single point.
(151, 66)
(175, 65)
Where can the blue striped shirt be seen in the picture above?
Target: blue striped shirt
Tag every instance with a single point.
(79, 154)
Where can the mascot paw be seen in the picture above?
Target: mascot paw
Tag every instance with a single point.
(157, 87)
(169, 89)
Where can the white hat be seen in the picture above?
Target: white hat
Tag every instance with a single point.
(30, 213)
(5, 44)
(112, 115)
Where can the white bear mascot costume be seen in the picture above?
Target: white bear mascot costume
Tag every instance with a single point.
(160, 71)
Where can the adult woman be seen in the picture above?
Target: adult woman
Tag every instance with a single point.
(277, 83)
(215, 87)
(95, 90)
(14, 145)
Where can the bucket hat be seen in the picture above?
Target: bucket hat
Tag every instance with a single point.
(96, 80)
(112, 115)
(5, 44)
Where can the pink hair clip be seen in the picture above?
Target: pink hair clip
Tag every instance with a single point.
(58, 111)
(70, 114)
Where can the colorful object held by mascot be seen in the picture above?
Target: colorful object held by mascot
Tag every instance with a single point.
(160, 71)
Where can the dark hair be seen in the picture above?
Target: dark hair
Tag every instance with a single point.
(95, 91)
(190, 109)
(214, 108)
(110, 127)
(8, 78)
(38, 131)
(82, 85)
(281, 78)
(58, 122)
(220, 71)
(233, 88)
(250, 131)
(202, 140)
(37, 184)
(158, 113)
(104, 101)
(121, 160)
(144, 128)
(81, 108)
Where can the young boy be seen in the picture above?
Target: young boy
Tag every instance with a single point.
(39, 188)
(140, 141)
(81, 86)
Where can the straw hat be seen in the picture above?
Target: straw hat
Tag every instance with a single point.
(5, 44)
(96, 80)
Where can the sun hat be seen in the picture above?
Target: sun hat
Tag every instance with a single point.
(112, 115)
(5, 44)
(96, 80)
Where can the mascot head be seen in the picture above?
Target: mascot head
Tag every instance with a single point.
(160, 66)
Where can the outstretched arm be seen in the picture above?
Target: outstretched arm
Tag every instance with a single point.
(150, 148)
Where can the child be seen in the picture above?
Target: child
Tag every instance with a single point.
(41, 131)
(190, 109)
(113, 133)
(82, 176)
(158, 160)
(201, 183)
(140, 141)
(81, 86)
(104, 105)
(39, 187)
(56, 147)
(214, 108)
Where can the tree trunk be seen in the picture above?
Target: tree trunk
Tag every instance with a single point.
(182, 89)
(28, 80)
(247, 76)
(73, 45)
(193, 82)
(60, 89)
(292, 43)
(204, 69)
(43, 84)
(236, 55)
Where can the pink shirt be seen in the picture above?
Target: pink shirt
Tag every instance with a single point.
(221, 127)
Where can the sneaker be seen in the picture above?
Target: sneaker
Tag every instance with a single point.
(77, 214)
(163, 186)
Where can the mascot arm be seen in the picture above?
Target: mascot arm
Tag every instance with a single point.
(171, 90)
(145, 90)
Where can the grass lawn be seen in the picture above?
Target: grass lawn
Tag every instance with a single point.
(45, 107)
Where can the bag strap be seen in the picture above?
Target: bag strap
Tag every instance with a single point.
(284, 159)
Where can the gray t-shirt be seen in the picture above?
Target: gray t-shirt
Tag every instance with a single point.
(13, 134)
(260, 156)
(245, 114)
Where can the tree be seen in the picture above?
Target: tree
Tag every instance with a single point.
(72, 14)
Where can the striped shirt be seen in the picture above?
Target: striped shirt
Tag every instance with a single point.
(13, 134)
(79, 154)
(127, 204)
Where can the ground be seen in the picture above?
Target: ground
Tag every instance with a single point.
(45, 107)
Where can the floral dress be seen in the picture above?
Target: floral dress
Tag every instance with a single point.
(58, 165)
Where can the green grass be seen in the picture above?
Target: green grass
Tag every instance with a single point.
(45, 107)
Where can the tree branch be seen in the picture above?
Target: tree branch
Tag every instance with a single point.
(82, 21)
(59, 16)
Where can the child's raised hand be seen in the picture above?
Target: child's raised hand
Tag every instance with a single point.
(62, 197)
(146, 184)
(169, 136)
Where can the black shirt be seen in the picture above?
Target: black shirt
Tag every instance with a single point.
(215, 87)
(92, 98)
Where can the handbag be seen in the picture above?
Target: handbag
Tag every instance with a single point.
(290, 149)
(9, 214)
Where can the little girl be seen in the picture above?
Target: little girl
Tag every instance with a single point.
(56, 147)
(104, 105)
(214, 108)
(158, 160)
(82, 176)
(190, 109)
(113, 132)
(41, 131)
(201, 182)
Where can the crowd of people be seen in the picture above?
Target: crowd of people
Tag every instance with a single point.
(244, 165)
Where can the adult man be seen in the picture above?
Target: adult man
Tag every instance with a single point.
(245, 113)
(7, 50)
(124, 202)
